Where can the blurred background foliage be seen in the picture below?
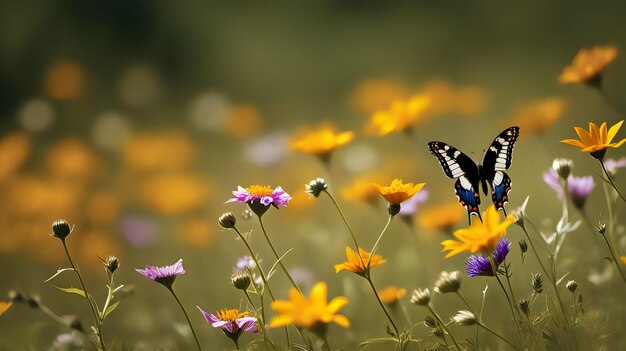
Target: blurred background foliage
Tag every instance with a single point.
(135, 120)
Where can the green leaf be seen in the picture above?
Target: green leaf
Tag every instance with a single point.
(76, 291)
(110, 309)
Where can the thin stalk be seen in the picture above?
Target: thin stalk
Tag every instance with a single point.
(187, 317)
(469, 307)
(380, 236)
(513, 314)
(498, 335)
(395, 328)
(266, 336)
(280, 262)
(608, 176)
(615, 259)
(443, 325)
(343, 217)
(94, 309)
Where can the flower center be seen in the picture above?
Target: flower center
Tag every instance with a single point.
(260, 190)
(230, 315)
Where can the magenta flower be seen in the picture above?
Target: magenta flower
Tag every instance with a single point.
(260, 197)
(232, 322)
(163, 275)
(579, 188)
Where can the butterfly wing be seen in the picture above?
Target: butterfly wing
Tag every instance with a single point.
(498, 159)
(456, 164)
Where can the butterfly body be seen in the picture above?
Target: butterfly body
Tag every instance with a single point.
(470, 176)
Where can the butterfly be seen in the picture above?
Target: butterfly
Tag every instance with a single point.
(469, 175)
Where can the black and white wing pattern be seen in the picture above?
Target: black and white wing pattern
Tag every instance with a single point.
(458, 165)
(497, 159)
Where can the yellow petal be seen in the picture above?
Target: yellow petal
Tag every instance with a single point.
(613, 131)
(603, 134)
(618, 144)
(342, 321)
(279, 321)
(593, 130)
(584, 136)
(574, 142)
(337, 303)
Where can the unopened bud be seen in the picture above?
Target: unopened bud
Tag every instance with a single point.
(571, 286)
(240, 280)
(227, 220)
(111, 264)
(61, 229)
(464, 318)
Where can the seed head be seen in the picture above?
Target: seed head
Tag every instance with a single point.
(227, 220)
(571, 286)
(316, 186)
(537, 283)
(524, 306)
(464, 318)
(420, 297)
(111, 264)
(562, 167)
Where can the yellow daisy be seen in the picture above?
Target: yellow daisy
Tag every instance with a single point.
(399, 117)
(320, 141)
(588, 64)
(356, 264)
(597, 140)
(442, 217)
(480, 236)
(398, 192)
(391, 294)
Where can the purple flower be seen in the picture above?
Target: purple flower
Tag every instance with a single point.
(579, 188)
(245, 262)
(260, 197)
(552, 179)
(479, 265)
(612, 165)
(232, 322)
(409, 207)
(164, 275)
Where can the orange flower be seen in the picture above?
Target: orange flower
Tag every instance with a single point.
(398, 192)
(623, 259)
(308, 313)
(596, 141)
(400, 116)
(480, 236)
(354, 263)
(588, 64)
(320, 141)
(376, 94)
(442, 217)
(538, 116)
(4, 306)
(391, 294)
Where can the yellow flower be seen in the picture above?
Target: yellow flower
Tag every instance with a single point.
(480, 236)
(400, 116)
(442, 217)
(391, 294)
(320, 141)
(354, 263)
(596, 141)
(308, 313)
(588, 64)
(397, 192)
(376, 94)
(623, 259)
(4, 306)
(538, 116)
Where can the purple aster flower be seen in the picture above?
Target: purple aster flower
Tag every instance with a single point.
(245, 262)
(409, 207)
(479, 265)
(163, 275)
(232, 322)
(552, 179)
(579, 188)
(612, 165)
(260, 197)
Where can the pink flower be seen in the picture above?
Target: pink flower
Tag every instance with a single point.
(163, 275)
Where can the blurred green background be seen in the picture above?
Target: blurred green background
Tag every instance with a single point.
(135, 121)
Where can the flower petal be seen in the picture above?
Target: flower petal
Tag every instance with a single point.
(613, 131)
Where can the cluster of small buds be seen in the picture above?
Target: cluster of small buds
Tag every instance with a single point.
(420, 297)
(61, 229)
(537, 283)
(563, 167)
(448, 282)
(430, 322)
(464, 318)
(316, 187)
(227, 220)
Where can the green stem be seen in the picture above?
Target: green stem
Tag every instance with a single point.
(380, 236)
(266, 336)
(395, 328)
(615, 259)
(280, 262)
(608, 176)
(443, 325)
(345, 221)
(513, 314)
(498, 335)
(94, 309)
(186, 316)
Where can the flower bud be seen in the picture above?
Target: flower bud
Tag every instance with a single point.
(74, 323)
(240, 280)
(448, 282)
(420, 297)
(571, 286)
(523, 246)
(464, 318)
(394, 209)
(16, 296)
(537, 283)
(61, 229)
(562, 167)
(111, 263)
(524, 306)
(430, 322)
(316, 186)
(227, 220)
(601, 228)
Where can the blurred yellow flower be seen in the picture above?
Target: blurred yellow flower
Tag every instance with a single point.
(243, 121)
(308, 313)
(14, 151)
(4, 306)
(480, 236)
(354, 263)
(196, 232)
(377, 94)
(65, 81)
(73, 158)
(174, 194)
(158, 151)
(96, 243)
(442, 217)
(596, 141)
(588, 64)
(447, 99)
(401, 115)
(102, 207)
(537, 117)
(391, 294)
(320, 141)
(623, 259)
(358, 190)
(397, 192)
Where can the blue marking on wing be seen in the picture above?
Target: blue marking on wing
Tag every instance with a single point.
(500, 193)
(469, 198)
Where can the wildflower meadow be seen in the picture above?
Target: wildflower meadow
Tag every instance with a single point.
(335, 176)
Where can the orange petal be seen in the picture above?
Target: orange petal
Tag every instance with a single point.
(595, 133)
(574, 142)
(618, 144)
(603, 134)
(584, 136)
(613, 131)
